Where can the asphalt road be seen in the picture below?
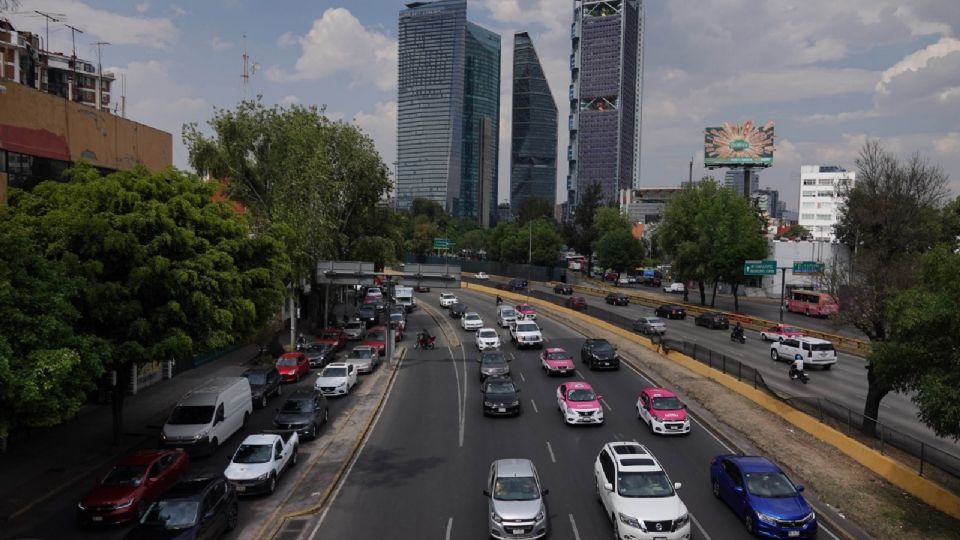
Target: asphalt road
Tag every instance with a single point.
(422, 469)
(845, 383)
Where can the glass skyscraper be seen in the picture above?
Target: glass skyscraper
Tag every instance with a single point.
(533, 142)
(448, 110)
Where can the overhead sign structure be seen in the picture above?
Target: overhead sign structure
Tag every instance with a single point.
(441, 243)
(346, 272)
(760, 268)
(738, 145)
(807, 267)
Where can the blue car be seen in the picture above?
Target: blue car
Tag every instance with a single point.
(770, 505)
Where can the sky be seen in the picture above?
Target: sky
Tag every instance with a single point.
(829, 74)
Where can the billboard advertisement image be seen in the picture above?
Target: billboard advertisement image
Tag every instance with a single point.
(734, 145)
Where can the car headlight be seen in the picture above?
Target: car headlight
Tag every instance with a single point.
(263, 476)
(124, 504)
(682, 520)
(540, 515)
(631, 521)
(80, 506)
(496, 517)
(515, 403)
(489, 404)
(766, 519)
(200, 435)
(808, 518)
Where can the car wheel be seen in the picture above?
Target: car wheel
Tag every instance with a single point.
(272, 486)
(616, 527)
(296, 378)
(263, 401)
(763, 337)
(748, 523)
(716, 488)
(246, 418)
(233, 514)
(279, 390)
(313, 431)
(293, 458)
(827, 367)
(326, 415)
(214, 444)
(638, 413)
(774, 355)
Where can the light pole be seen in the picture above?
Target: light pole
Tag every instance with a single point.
(529, 256)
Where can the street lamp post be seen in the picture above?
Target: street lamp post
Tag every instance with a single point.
(529, 256)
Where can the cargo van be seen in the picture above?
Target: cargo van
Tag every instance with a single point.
(208, 415)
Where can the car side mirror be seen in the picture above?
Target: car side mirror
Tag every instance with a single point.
(608, 486)
(478, 360)
(209, 515)
(799, 488)
(486, 493)
(738, 489)
(544, 492)
(677, 485)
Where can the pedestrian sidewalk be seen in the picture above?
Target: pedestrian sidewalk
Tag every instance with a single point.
(44, 462)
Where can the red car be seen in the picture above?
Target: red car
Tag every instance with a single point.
(398, 336)
(555, 360)
(292, 366)
(576, 302)
(780, 332)
(334, 336)
(134, 481)
(377, 338)
(528, 311)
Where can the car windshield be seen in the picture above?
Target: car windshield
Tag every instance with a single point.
(527, 328)
(172, 514)
(191, 414)
(654, 320)
(644, 484)
(666, 403)
(500, 387)
(377, 335)
(488, 333)
(772, 485)
(558, 356)
(472, 317)
(288, 361)
(257, 378)
(508, 313)
(366, 310)
(516, 488)
(124, 475)
(602, 347)
(581, 394)
(821, 346)
(253, 453)
(297, 406)
(320, 347)
(331, 335)
(396, 316)
(492, 360)
(789, 330)
(364, 353)
(334, 372)
(356, 325)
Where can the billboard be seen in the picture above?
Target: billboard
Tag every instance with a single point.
(734, 145)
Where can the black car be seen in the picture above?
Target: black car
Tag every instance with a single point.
(264, 382)
(493, 364)
(203, 507)
(649, 281)
(368, 314)
(320, 354)
(562, 288)
(617, 299)
(457, 309)
(712, 319)
(517, 284)
(421, 288)
(599, 353)
(304, 411)
(671, 311)
(500, 397)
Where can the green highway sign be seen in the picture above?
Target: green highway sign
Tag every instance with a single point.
(441, 243)
(760, 268)
(808, 267)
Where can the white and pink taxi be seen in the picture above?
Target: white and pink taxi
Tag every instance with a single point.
(556, 361)
(579, 404)
(662, 410)
(526, 311)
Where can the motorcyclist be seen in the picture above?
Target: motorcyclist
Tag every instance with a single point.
(499, 300)
(738, 330)
(423, 338)
(301, 341)
(796, 369)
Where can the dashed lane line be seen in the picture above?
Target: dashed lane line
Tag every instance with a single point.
(534, 403)
(553, 458)
(573, 525)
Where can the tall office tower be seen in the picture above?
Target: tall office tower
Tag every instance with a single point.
(533, 141)
(823, 196)
(733, 179)
(448, 96)
(604, 64)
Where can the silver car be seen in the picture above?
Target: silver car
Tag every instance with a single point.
(515, 504)
(365, 358)
(354, 330)
(650, 326)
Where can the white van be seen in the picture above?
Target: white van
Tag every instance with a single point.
(208, 415)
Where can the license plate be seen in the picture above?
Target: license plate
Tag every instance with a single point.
(659, 538)
(241, 488)
(96, 518)
(793, 534)
(516, 531)
(502, 409)
(606, 363)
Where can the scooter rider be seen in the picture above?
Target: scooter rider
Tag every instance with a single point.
(737, 330)
(796, 370)
(499, 300)
(423, 338)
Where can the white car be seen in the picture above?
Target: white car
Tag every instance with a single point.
(471, 321)
(675, 287)
(447, 299)
(487, 338)
(260, 460)
(481, 275)
(526, 333)
(337, 379)
(637, 494)
(506, 316)
(813, 351)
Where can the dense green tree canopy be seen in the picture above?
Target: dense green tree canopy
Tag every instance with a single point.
(619, 250)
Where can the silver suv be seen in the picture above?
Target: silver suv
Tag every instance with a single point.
(516, 508)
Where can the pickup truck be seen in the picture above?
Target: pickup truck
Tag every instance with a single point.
(525, 333)
(261, 459)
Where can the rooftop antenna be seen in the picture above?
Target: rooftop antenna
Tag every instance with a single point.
(100, 45)
(73, 37)
(249, 69)
(55, 17)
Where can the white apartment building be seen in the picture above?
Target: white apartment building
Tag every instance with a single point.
(822, 196)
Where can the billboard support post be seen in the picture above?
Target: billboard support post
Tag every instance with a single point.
(783, 287)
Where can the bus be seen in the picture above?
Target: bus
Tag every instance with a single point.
(812, 303)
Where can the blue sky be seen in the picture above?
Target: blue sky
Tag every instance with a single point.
(829, 74)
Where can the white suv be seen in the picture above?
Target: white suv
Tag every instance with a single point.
(526, 334)
(637, 494)
(814, 351)
(506, 316)
(447, 299)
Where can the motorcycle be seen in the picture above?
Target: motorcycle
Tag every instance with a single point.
(738, 336)
(425, 342)
(796, 375)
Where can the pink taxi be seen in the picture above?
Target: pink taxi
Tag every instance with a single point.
(579, 404)
(526, 310)
(780, 332)
(556, 361)
(662, 410)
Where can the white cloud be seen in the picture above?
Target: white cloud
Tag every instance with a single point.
(289, 100)
(142, 8)
(338, 42)
(179, 11)
(220, 45)
(102, 25)
(381, 126)
(918, 61)
(287, 39)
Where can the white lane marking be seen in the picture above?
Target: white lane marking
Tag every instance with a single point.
(605, 404)
(553, 458)
(460, 397)
(822, 528)
(512, 357)
(522, 378)
(534, 403)
(577, 371)
(699, 527)
(573, 524)
(449, 527)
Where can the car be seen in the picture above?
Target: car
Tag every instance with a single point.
(319, 354)
(579, 404)
(625, 280)
(487, 338)
(500, 396)
(471, 321)
(515, 501)
(368, 315)
(260, 460)
(304, 411)
(447, 299)
(516, 284)
(457, 309)
(578, 303)
(813, 351)
(292, 366)
(506, 316)
(762, 496)
(599, 353)
(663, 411)
(398, 332)
(562, 288)
(671, 311)
(675, 287)
(493, 364)
(712, 320)
(650, 326)
(334, 336)
(525, 311)
(481, 275)
(264, 382)
(337, 379)
(365, 358)
(611, 276)
(354, 330)
(373, 292)
(780, 332)
(125, 492)
(399, 319)
(421, 288)
(376, 338)
(617, 299)
(651, 281)
(525, 333)
(637, 495)
(198, 507)
(556, 361)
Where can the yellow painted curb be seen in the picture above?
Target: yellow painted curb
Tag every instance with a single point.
(893, 471)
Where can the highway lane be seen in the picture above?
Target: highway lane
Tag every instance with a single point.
(421, 482)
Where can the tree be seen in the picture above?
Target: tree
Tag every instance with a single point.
(795, 232)
(681, 236)
(581, 234)
(423, 231)
(891, 217)
(609, 219)
(619, 250)
(163, 271)
(534, 208)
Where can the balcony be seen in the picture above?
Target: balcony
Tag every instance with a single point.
(571, 123)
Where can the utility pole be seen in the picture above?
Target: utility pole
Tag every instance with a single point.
(690, 174)
(100, 45)
(529, 256)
